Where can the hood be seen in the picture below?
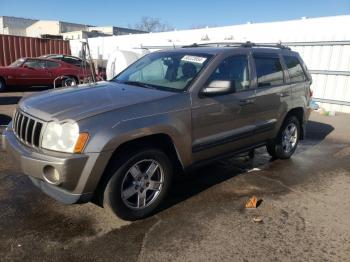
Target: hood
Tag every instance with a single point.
(77, 103)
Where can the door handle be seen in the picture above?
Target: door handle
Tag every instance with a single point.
(244, 102)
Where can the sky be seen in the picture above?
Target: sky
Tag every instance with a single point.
(180, 14)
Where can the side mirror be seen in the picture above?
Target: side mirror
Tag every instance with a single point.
(218, 87)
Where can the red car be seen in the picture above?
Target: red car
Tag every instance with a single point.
(40, 72)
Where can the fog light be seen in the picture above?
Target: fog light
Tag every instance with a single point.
(51, 175)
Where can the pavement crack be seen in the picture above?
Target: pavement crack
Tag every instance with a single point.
(145, 238)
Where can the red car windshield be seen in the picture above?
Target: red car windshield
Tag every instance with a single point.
(17, 63)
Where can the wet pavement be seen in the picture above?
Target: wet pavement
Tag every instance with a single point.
(305, 211)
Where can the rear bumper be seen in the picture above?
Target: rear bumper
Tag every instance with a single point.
(32, 164)
(307, 114)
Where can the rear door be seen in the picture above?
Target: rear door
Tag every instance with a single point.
(225, 123)
(273, 94)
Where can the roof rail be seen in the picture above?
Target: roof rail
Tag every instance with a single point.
(278, 45)
(239, 44)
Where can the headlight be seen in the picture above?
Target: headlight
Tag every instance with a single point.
(63, 137)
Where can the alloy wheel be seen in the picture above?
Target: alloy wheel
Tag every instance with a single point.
(289, 138)
(142, 184)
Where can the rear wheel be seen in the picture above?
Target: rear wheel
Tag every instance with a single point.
(69, 81)
(287, 139)
(138, 185)
(2, 85)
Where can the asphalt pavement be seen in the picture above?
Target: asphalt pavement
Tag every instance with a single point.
(304, 210)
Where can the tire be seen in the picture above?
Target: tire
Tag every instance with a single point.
(2, 85)
(286, 142)
(129, 193)
(69, 81)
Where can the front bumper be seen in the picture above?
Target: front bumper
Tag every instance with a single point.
(32, 163)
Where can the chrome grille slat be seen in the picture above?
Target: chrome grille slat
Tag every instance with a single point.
(35, 123)
(23, 128)
(20, 121)
(14, 120)
(27, 129)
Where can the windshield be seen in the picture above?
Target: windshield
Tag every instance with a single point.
(17, 63)
(171, 71)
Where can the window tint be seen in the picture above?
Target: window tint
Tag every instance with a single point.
(269, 71)
(35, 63)
(295, 69)
(51, 64)
(234, 69)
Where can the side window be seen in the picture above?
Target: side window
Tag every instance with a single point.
(35, 63)
(72, 61)
(234, 69)
(51, 64)
(269, 71)
(295, 70)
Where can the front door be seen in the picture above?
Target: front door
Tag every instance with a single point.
(33, 72)
(224, 123)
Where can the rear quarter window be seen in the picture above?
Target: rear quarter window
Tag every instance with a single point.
(295, 70)
(269, 71)
(51, 64)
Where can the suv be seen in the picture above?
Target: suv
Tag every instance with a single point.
(119, 142)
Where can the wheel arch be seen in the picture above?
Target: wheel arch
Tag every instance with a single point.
(298, 112)
(161, 141)
(3, 79)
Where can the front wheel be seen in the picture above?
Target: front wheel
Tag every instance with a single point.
(138, 185)
(287, 139)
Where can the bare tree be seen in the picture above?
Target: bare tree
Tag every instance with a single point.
(151, 24)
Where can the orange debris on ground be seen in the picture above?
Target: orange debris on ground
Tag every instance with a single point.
(252, 202)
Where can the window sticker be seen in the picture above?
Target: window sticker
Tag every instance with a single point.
(194, 59)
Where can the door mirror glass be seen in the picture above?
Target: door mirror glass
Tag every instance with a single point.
(218, 87)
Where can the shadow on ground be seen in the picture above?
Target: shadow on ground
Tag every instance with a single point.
(189, 185)
(4, 119)
(317, 131)
(9, 100)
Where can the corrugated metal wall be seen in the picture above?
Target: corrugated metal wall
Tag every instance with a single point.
(14, 47)
(329, 64)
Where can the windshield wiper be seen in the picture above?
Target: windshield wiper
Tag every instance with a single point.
(137, 83)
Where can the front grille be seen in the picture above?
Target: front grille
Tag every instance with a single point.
(27, 129)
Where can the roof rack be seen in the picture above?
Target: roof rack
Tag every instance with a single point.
(239, 44)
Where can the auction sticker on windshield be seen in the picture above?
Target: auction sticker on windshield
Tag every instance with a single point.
(194, 59)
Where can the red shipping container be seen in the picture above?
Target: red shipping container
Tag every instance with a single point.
(14, 47)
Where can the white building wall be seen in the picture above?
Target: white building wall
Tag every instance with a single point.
(14, 25)
(43, 27)
(69, 27)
